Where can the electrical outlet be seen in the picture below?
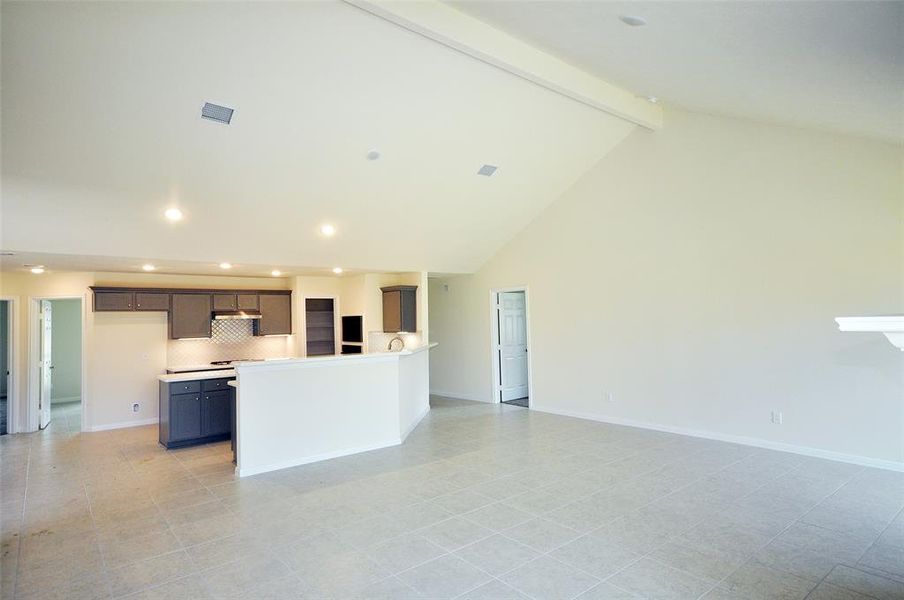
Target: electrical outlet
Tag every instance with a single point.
(136, 407)
(777, 417)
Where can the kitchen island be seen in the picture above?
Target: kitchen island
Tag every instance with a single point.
(298, 411)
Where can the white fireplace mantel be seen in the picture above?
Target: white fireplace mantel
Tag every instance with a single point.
(891, 326)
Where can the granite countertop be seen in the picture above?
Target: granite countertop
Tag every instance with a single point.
(196, 375)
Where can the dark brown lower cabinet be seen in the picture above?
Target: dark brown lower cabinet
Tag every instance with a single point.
(215, 414)
(194, 412)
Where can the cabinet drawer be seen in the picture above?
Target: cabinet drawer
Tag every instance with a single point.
(209, 385)
(185, 387)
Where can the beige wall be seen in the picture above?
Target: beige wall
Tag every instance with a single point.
(124, 352)
(694, 273)
(356, 295)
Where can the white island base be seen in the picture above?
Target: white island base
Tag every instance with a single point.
(299, 411)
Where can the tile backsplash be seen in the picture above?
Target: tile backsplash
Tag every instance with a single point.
(378, 341)
(230, 340)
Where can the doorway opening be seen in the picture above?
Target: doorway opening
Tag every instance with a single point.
(6, 351)
(56, 352)
(511, 363)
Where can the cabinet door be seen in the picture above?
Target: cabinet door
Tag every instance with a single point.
(215, 413)
(224, 301)
(185, 417)
(151, 301)
(392, 311)
(190, 316)
(247, 301)
(276, 314)
(409, 311)
(107, 301)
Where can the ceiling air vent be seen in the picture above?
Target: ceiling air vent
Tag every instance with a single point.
(215, 112)
(487, 170)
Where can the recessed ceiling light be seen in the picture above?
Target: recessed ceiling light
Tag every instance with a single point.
(275, 273)
(373, 154)
(225, 265)
(148, 267)
(173, 214)
(37, 269)
(337, 270)
(327, 229)
(632, 20)
(487, 170)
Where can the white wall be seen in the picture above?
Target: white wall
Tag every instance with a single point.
(695, 274)
(66, 350)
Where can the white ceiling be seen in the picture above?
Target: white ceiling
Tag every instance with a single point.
(837, 66)
(101, 132)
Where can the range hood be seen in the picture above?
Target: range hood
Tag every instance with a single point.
(222, 315)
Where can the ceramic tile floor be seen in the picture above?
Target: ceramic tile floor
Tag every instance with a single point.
(481, 501)
(66, 417)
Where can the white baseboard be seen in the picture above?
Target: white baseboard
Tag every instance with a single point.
(123, 425)
(65, 400)
(855, 459)
(304, 460)
(456, 396)
(417, 420)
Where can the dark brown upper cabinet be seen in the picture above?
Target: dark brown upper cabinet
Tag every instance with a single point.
(116, 300)
(190, 316)
(276, 315)
(224, 302)
(191, 310)
(247, 302)
(152, 301)
(399, 308)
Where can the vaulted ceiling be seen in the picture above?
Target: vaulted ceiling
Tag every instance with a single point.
(101, 133)
(825, 64)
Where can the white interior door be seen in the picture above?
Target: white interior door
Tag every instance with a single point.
(46, 364)
(512, 345)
